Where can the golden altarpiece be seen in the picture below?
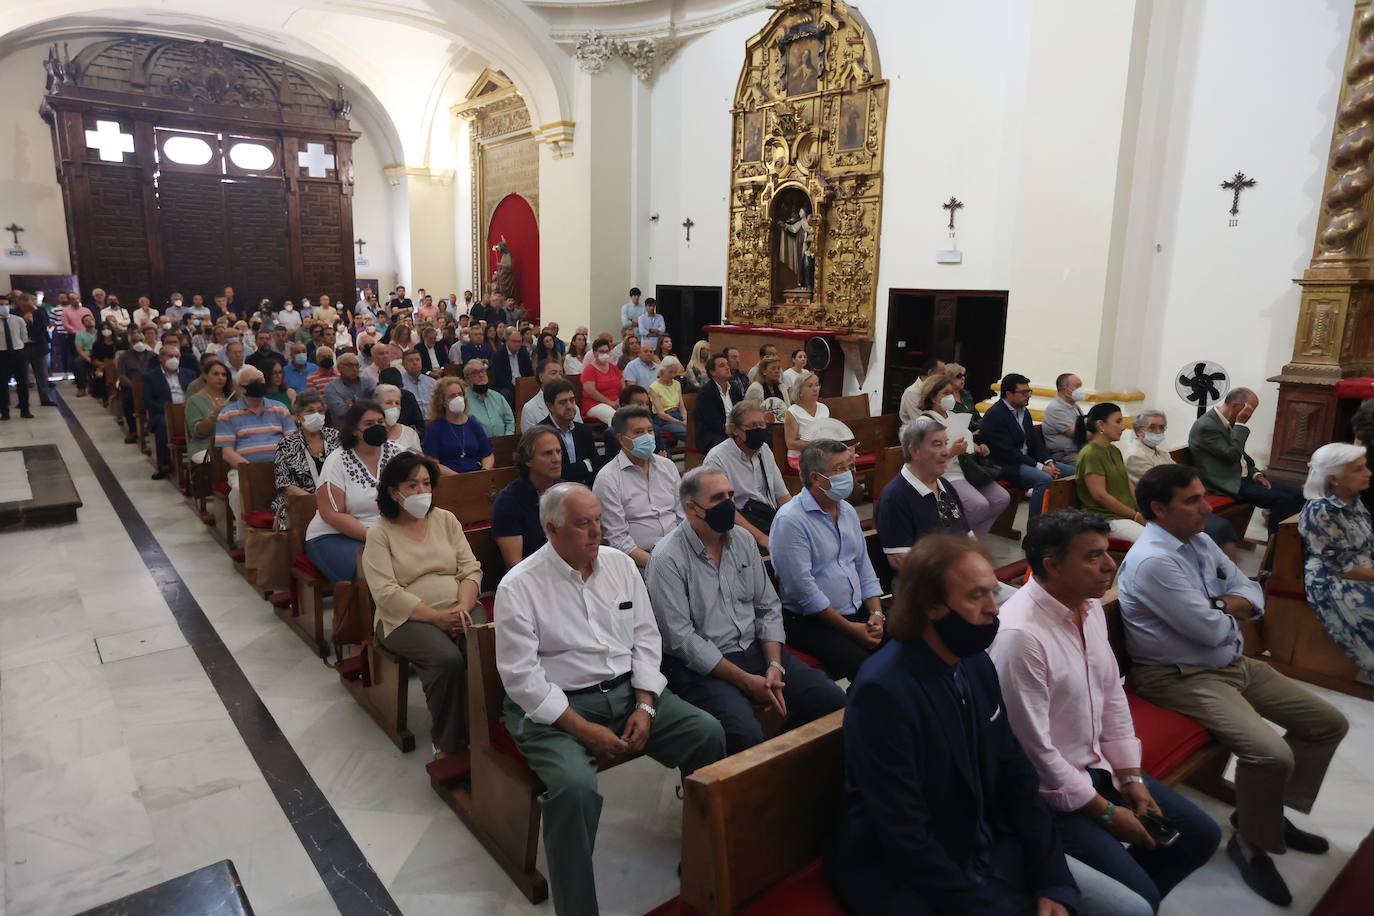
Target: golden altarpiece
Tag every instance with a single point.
(807, 173)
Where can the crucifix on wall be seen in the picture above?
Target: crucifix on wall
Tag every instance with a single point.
(953, 205)
(1237, 184)
(688, 224)
(360, 243)
(14, 230)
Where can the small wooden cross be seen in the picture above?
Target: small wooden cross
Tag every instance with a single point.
(360, 243)
(688, 224)
(953, 205)
(1237, 184)
(14, 230)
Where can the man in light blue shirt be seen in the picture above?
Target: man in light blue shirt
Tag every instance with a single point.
(416, 382)
(642, 370)
(650, 325)
(630, 312)
(1182, 603)
(829, 590)
(298, 369)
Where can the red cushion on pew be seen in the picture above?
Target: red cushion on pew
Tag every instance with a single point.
(302, 562)
(801, 656)
(865, 461)
(178, 440)
(1012, 573)
(477, 526)
(503, 743)
(237, 554)
(1006, 485)
(451, 769)
(221, 487)
(803, 893)
(1118, 544)
(1219, 502)
(1167, 738)
(1355, 388)
(488, 603)
(259, 519)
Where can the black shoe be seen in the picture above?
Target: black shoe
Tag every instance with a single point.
(1296, 839)
(26, 415)
(160, 475)
(129, 440)
(1264, 879)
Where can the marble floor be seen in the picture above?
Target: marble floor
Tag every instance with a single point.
(120, 767)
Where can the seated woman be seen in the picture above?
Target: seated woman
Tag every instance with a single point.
(665, 394)
(300, 456)
(82, 343)
(984, 503)
(807, 419)
(424, 581)
(964, 401)
(203, 407)
(515, 513)
(389, 396)
(698, 375)
(1104, 487)
(1339, 539)
(455, 439)
(102, 376)
(601, 384)
(940, 810)
(412, 414)
(796, 369)
(346, 501)
(277, 389)
(767, 389)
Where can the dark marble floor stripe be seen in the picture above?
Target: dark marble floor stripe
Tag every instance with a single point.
(352, 883)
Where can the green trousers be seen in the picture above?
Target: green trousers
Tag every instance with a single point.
(681, 736)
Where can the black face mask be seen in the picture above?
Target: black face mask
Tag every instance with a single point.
(367, 351)
(721, 516)
(758, 438)
(375, 435)
(326, 363)
(964, 638)
(255, 389)
(480, 389)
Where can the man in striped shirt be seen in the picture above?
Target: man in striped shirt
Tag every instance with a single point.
(249, 429)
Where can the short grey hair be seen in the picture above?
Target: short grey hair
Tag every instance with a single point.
(383, 390)
(914, 434)
(475, 363)
(1327, 461)
(307, 398)
(794, 393)
(348, 357)
(689, 488)
(553, 508)
(737, 413)
(1147, 414)
(816, 456)
(1237, 395)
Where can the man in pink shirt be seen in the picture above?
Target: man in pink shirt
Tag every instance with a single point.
(1066, 704)
(72, 317)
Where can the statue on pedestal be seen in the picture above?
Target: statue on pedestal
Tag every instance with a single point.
(794, 247)
(503, 275)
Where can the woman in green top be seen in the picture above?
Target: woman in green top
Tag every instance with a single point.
(277, 389)
(1103, 485)
(84, 342)
(203, 407)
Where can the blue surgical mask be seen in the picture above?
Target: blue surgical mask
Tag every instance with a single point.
(299, 360)
(841, 486)
(643, 446)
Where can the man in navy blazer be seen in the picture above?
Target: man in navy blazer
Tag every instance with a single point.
(158, 392)
(941, 810)
(509, 363)
(1009, 433)
(581, 460)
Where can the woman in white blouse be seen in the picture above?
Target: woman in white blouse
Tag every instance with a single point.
(389, 396)
(807, 419)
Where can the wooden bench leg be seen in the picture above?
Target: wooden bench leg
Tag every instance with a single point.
(1209, 776)
(382, 690)
(1005, 526)
(224, 522)
(306, 617)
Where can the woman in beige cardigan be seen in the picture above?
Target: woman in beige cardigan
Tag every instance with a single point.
(424, 581)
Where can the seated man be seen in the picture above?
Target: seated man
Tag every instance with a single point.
(713, 404)
(722, 624)
(580, 458)
(350, 386)
(299, 369)
(379, 361)
(509, 363)
(1012, 442)
(249, 430)
(414, 379)
(630, 396)
(747, 459)
(535, 410)
(909, 408)
(1063, 694)
(829, 590)
(1216, 447)
(1146, 450)
(515, 512)
(578, 652)
(643, 369)
(130, 364)
(1063, 420)
(637, 490)
(164, 384)
(485, 405)
(1180, 603)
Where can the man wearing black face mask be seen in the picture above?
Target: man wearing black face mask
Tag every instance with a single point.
(249, 429)
(747, 459)
(721, 621)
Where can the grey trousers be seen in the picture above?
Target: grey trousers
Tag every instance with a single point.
(1232, 703)
(441, 662)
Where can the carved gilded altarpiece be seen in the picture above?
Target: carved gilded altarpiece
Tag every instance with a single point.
(809, 117)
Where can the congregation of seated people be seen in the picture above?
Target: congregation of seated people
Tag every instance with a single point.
(689, 612)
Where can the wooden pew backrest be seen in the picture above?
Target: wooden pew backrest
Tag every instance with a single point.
(470, 496)
(257, 485)
(300, 510)
(526, 387)
(503, 450)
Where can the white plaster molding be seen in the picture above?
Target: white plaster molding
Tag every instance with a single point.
(632, 21)
(644, 55)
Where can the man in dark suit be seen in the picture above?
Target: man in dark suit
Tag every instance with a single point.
(739, 382)
(165, 383)
(941, 810)
(433, 353)
(713, 405)
(580, 458)
(1012, 442)
(1216, 447)
(509, 363)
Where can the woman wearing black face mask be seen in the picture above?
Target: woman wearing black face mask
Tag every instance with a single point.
(346, 498)
(934, 777)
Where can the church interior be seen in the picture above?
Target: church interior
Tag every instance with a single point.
(237, 237)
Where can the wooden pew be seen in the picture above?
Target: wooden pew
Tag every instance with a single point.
(526, 387)
(305, 612)
(888, 466)
(219, 485)
(692, 457)
(140, 415)
(257, 488)
(380, 681)
(1237, 513)
(1298, 643)
(470, 496)
(503, 450)
(174, 415)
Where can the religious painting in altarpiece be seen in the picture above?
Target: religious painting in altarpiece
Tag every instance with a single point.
(807, 172)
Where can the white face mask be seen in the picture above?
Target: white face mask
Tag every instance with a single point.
(456, 404)
(173, 364)
(176, 303)
(417, 504)
(947, 403)
(312, 422)
(1078, 394)
(140, 346)
(1153, 440)
(392, 414)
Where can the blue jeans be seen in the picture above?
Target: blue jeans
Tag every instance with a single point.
(1035, 480)
(335, 556)
(1101, 895)
(1151, 873)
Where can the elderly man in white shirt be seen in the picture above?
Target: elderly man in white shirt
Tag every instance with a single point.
(578, 651)
(638, 488)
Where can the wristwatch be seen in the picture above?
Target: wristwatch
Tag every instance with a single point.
(1219, 604)
(778, 665)
(647, 708)
(1128, 780)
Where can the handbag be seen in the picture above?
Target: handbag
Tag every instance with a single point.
(979, 471)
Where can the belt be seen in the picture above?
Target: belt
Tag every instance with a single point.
(603, 687)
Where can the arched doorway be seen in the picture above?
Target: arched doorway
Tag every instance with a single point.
(513, 220)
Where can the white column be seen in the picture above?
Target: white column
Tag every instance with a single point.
(430, 223)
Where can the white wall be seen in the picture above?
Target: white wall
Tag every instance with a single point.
(374, 213)
(29, 193)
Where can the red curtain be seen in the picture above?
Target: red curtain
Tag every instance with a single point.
(514, 221)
